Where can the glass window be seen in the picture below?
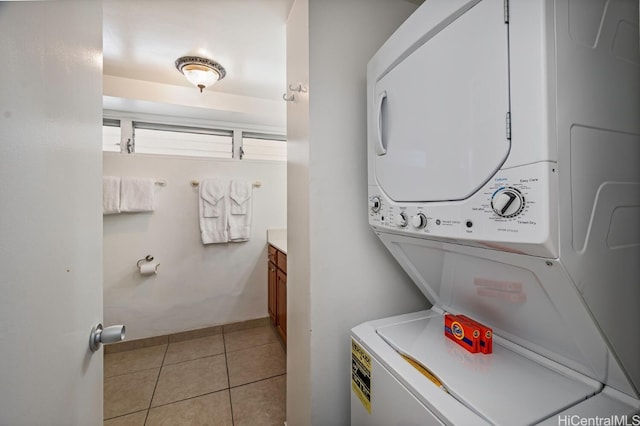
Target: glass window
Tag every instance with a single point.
(182, 141)
(111, 135)
(263, 147)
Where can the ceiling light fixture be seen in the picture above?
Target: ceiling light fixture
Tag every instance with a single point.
(201, 72)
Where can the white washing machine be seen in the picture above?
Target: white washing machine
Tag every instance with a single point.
(504, 177)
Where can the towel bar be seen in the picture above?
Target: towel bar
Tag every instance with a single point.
(257, 183)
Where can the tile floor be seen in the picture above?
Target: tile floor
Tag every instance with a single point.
(233, 378)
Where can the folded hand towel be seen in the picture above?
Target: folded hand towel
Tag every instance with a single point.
(110, 194)
(213, 192)
(212, 207)
(240, 217)
(137, 195)
(240, 194)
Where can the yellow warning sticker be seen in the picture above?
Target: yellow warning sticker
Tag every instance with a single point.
(361, 374)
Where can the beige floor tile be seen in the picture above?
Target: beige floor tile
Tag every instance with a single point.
(129, 393)
(193, 349)
(251, 337)
(135, 419)
(213, 409)
(134, 360)
(191, 378)
(257, 363)
(260, 404)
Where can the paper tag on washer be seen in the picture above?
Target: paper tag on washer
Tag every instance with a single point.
(361, 374)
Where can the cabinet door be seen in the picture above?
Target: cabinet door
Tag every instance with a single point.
(272, 293)
(272, 253)
(282, 304)
(281, 261)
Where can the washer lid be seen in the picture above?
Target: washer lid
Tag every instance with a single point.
(504, 387)
(438, 117)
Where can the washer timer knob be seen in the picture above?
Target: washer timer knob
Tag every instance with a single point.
(419, 221)
(507, 202)
(401, 220)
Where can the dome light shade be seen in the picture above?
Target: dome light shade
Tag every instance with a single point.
(201, 72)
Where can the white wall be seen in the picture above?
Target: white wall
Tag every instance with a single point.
(147, 97)
(197, 285)
(298, 256)
(351, 276)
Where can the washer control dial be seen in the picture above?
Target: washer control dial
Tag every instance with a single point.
(375, 204)
(401, 220)
(419, 221)
(507, 202)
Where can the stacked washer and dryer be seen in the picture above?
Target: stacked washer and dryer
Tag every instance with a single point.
(504, 176)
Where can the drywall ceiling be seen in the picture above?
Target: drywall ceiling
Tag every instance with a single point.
(143, 38)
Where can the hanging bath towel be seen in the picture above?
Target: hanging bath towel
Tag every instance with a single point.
(240, 210)
(110, 194)
(212, 207)
(137, 194)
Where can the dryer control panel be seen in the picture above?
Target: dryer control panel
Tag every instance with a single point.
(514, 211)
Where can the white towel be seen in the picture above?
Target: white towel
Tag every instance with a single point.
(240, 210)
(213, 210)
(110, 194)
(137, 194)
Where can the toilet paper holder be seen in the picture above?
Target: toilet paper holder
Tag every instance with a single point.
(144, 268)
(147, 258)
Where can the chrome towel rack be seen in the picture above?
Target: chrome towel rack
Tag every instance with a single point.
(256, 184)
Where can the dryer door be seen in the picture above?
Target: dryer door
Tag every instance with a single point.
(440, 113)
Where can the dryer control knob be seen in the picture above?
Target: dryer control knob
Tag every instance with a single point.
(375, 204)
(419, 221)
(401, 220)
(507, 202)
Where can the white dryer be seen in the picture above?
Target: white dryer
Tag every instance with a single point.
(504, 176)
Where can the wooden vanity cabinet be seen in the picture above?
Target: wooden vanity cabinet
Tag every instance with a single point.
(277, 290)
(272, 292)
(281, 303)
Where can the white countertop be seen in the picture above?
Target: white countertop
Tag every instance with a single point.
(278, 239)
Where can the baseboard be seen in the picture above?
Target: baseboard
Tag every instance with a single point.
(128, 345)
